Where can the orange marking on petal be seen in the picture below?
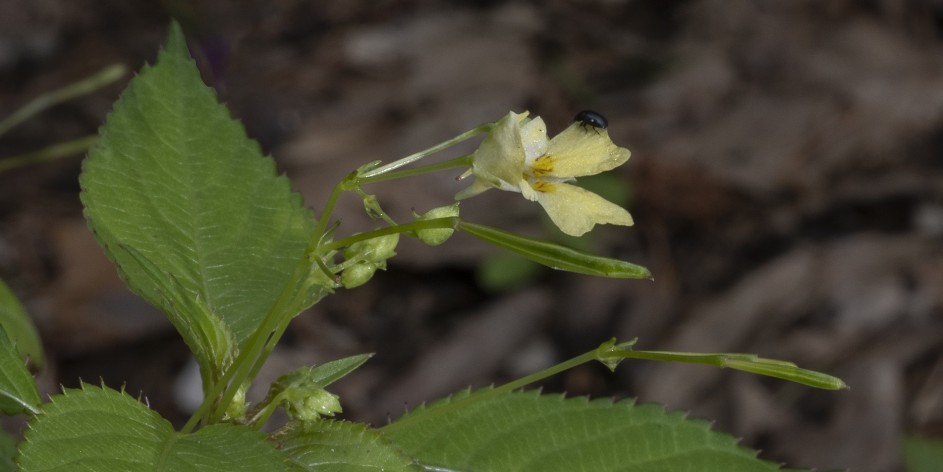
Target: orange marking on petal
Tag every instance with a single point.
(543, 165)
(544, 187)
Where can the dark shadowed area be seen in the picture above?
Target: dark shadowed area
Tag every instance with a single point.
(786, 182)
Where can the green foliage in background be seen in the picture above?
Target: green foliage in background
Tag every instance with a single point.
(16, 323)
(923, 454)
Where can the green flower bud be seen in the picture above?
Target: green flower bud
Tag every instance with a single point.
(308, 404)
(437, 236)
(358, 274)
(374, 250)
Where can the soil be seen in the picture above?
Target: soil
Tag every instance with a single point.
(786, 182)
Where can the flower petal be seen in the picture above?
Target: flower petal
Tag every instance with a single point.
(534, 139)
(527, 191)
(500, 158)
(575, 210)
(580, 150)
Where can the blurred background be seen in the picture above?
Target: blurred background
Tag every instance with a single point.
(786, 182)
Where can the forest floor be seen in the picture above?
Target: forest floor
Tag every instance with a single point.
(786, 182)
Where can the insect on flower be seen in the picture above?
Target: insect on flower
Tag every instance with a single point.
(589, 118)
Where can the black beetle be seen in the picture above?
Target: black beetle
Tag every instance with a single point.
(591, 118)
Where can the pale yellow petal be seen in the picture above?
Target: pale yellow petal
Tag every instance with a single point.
(575, 210)
(582, 150)
(534, 139)
(500, 157)
(527, 191)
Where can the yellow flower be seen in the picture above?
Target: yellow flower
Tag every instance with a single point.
(517, 157)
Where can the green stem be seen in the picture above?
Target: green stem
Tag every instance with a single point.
(255, 351)
(277, 333)
(434, 149)
(386, 173)
(463, 161)
(493, 392)
(434, 223)
(326, 213)
(685, 357)
(324, 268)
(374, 210)
(47, 100)
(543, 374)
(261, 417)
(49, 153)
(203, 410)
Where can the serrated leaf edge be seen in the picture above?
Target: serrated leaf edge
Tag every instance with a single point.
(703, 424)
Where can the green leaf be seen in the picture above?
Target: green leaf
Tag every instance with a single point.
(207, 335)
(556, 256)
(330, 372)
(923, 454)
(18, 393)
(340, 446)
(188, 207)
(531, 432)
(19, 326)
(7, 452)
(102, 430)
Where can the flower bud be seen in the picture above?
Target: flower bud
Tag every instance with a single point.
(373, 250)
(358, 274)
(437, 236)
(309, 404)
